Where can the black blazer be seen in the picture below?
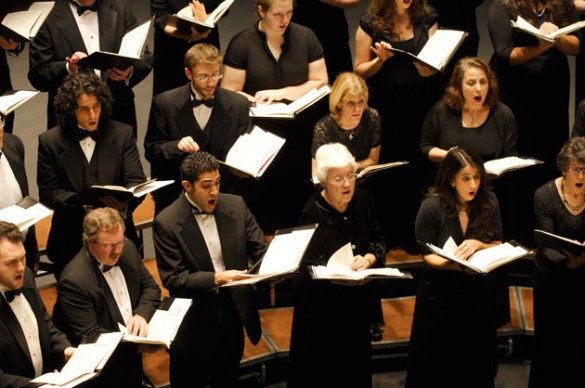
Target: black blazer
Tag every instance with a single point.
(171, 118)
(60, 167)
(187, 271)
(59, 37)
(85, 306)
(13, 150)
(15, 359)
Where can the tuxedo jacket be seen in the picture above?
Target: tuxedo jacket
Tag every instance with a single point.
(171, 118)
(85, 306)
(186, 269)
(13, 150)
(60, 174)
(59, 37)
(15, 360)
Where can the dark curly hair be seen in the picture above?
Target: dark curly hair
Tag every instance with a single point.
(197, 163)
(453, 96)
(73, 86)
(482, 209)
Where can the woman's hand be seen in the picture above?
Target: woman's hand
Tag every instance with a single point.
(382, 50)
(363, 262)
(268, 96)
(468, 248)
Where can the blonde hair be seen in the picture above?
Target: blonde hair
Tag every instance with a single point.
(347, 86)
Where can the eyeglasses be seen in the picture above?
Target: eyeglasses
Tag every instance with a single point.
(111, 247)
(205, 78)
(87, 108)
(577, 170)
(338, 180)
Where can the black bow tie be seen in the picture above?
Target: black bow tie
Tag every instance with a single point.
(106, 268)
(82, 134)
(10, 294)
(208, 103)
(81, 8)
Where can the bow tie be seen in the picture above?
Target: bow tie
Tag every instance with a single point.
(106, 268)
(81, 8)
(82, 134)
(208, 103)
(10, 294)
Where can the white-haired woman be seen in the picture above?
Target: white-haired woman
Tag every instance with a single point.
(331, 324)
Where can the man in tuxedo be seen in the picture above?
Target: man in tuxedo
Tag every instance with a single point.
(75, 29)
(14, 187)
(30, 344)
(196, 116)
(201, 241)
(107, 284)
(85, 149)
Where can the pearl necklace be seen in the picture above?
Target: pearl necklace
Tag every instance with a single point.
(573, 208)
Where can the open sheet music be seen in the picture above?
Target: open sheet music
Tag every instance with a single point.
(22, 26)
(555, 241)
(12, 99)
(500, 166)
(164, 324)
(283, 256)
(93, 195)
(131, 50)
(253, 152)
(523, 25)
(25, 213)
(339, 268)
(184, 19)
(482, 261)
(438, 50)
(289, 111)
(87, 361)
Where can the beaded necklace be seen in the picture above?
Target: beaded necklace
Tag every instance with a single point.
(573, 208)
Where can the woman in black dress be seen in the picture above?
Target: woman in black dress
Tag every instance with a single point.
(276, 60)
(455, 311)
(470, 116)
(350, 122)
(402, 91)
(330, 341)
(559, 276)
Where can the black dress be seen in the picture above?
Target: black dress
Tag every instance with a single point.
(559, 317)
(333, 35)
(330, 340)
(359, 140)
(453, 339)
(277, 199)
(403, 98)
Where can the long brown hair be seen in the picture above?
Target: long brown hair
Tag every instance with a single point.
(482, 209)
(560, 10)
(385, 14)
